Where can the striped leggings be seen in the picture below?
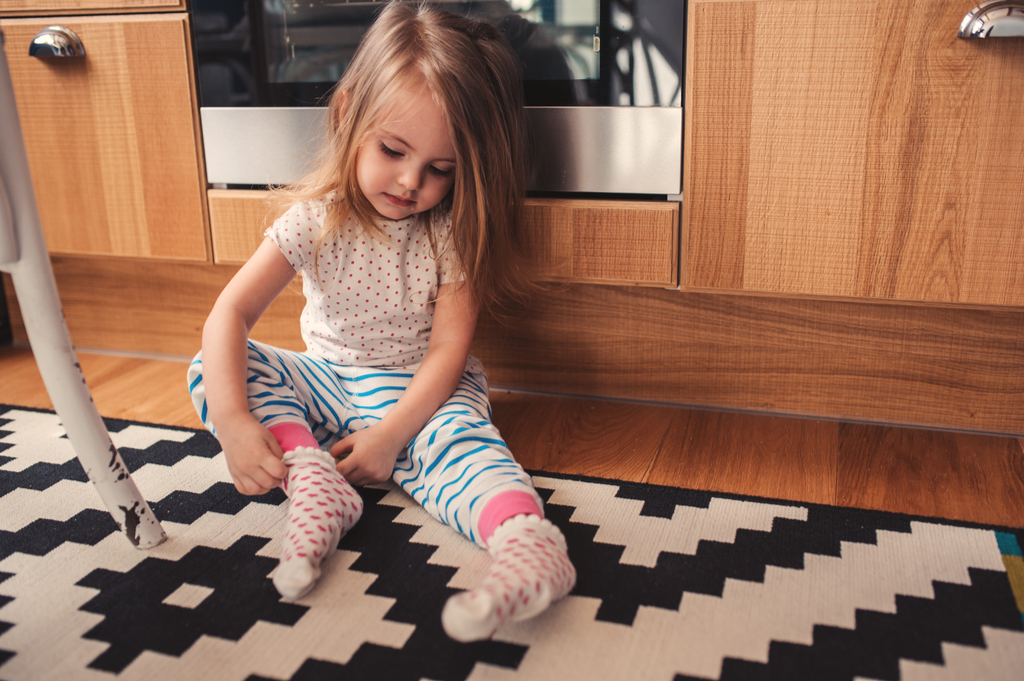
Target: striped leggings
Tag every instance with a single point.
(453, 468)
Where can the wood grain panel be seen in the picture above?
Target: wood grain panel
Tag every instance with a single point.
(921, 123)
(112, 138)
(780, 458)
(610, 242)
(627, 243)
(935, 366)
(868, 149)
(719, 87)
(139, 306)
(41, 7)
(950, 475)
(994, 256)
(561, 435)
(548, 239)
(620, 242)
(806, 161)
(238, 219)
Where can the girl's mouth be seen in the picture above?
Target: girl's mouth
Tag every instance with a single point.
(402, 203)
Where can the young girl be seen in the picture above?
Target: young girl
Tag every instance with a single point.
(404, 232)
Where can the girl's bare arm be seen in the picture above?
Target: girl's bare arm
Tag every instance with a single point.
(252, 454)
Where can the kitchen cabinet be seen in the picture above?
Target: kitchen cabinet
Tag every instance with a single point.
(112, 138)
(854, 150)
(572, 240)
(850, 246)
(42, 7)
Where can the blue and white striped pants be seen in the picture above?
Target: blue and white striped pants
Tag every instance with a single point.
(453, 467)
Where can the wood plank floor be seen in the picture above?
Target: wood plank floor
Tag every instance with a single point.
(955, 475)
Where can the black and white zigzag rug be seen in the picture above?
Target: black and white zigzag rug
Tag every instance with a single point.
(673, 584)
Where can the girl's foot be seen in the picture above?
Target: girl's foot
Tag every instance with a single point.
(529, 571)
(323, 508)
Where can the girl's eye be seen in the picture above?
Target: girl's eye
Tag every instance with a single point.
(433, 170)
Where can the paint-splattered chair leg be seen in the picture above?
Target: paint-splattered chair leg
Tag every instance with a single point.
(23, 254)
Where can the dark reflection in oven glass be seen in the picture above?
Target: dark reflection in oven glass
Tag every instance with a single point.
(572, 52)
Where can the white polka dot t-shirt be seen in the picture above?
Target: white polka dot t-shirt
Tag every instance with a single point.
(372, 305)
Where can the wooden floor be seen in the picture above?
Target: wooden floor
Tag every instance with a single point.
(954, 475)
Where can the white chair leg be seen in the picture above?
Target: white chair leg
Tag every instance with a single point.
(23, 254)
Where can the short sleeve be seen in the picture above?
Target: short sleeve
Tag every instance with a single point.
(448, 269)
(296, 233)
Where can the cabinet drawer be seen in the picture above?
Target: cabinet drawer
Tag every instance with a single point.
(112, 137)
(610, 242)
(604, 242)
(238, 219)
(42, 7)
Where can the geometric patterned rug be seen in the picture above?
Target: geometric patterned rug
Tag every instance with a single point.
(672, 584)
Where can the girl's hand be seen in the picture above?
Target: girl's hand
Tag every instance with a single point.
(372, 453)
(253, 456)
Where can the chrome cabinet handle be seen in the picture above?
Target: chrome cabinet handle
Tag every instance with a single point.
(994, 19)
(56, 41)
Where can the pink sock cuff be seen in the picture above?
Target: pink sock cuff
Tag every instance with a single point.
(292, 436)
(503, 506)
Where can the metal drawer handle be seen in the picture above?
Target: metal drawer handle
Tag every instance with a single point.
(994, 19)
(56, 41)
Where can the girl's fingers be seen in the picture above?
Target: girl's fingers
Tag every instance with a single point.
(347, 468)
(248, 487)
(275, 469)
(350, 471)
(342, 447)
(258, 482)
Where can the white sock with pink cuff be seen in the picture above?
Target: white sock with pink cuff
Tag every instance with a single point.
(322, 508)
(530, 570)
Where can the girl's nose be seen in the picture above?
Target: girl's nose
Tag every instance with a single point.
(410, 178)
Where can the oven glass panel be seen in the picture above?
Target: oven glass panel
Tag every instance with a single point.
(572, 52)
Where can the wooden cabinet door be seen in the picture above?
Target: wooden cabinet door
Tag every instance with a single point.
(112, 137)
(854, 149)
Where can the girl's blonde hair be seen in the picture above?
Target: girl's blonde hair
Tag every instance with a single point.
(475, 80)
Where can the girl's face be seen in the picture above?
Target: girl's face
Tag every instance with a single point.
(407, 165)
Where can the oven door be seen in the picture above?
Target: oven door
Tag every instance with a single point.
(576, 149)
(603, 87)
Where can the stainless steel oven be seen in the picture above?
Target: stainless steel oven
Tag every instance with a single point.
(603, 82)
